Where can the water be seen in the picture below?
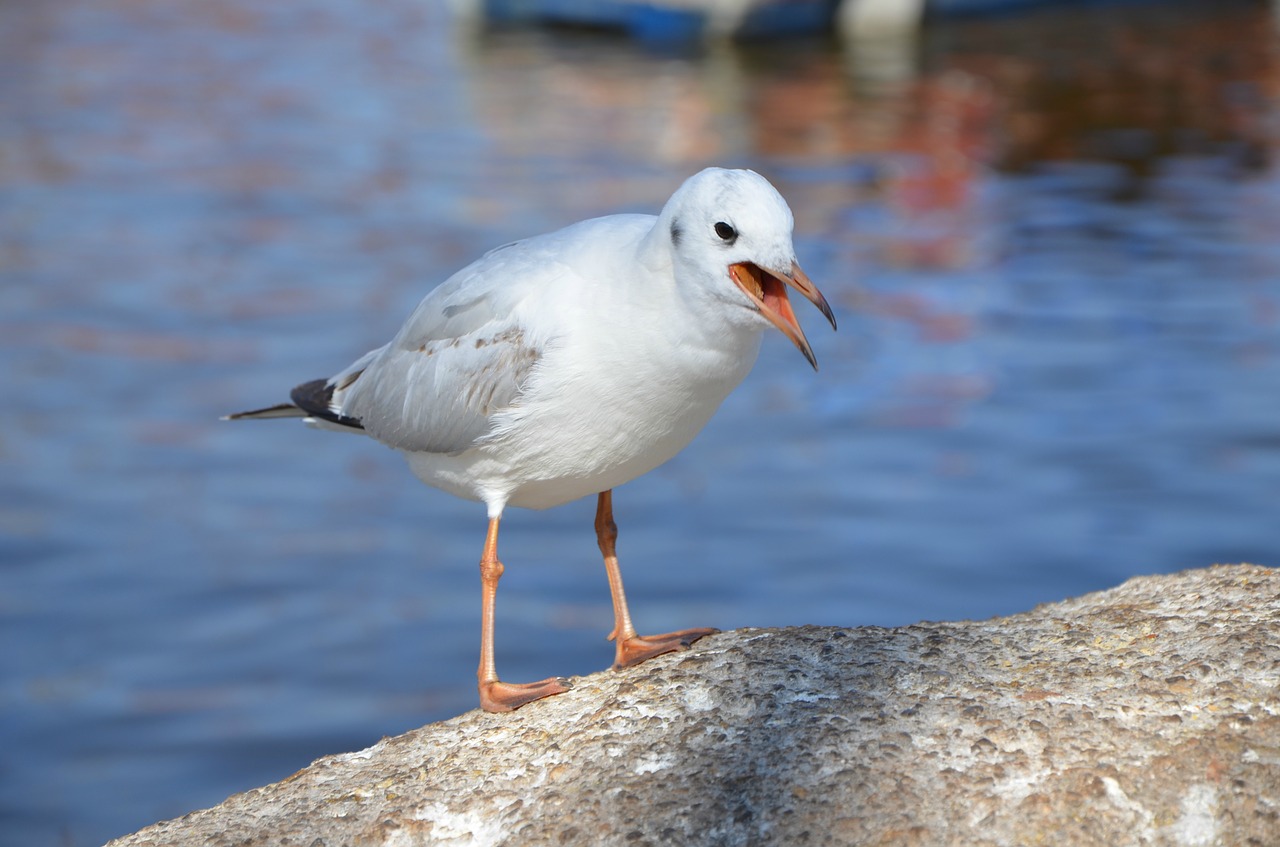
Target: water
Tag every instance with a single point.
(1050, 240)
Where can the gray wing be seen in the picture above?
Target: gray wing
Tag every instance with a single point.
(461, 357)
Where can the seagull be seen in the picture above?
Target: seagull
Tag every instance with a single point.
(569, 363)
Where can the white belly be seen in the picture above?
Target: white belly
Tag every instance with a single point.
(587, 432)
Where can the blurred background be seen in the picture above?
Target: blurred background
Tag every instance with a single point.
(1051, 239)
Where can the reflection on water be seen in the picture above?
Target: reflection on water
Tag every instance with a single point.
(1050, 240)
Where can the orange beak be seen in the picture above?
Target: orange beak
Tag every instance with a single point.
(768, 290)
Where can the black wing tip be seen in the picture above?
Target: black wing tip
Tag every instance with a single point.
(314, 398)
(280, 410)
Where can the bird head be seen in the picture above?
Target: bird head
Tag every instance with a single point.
(732, 229)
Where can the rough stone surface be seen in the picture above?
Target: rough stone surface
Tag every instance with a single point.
(1146, 714)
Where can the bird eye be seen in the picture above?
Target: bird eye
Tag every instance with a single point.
(726, 232)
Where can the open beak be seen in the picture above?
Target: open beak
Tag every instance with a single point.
(768, 290)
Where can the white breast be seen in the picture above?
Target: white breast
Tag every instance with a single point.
(610, 400)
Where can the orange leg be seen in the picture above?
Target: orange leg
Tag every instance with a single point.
(632, 649)
(495, 695)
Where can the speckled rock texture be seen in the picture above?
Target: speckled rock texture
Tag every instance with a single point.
(1146, 715)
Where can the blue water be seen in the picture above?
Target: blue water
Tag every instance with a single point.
(1050, 241)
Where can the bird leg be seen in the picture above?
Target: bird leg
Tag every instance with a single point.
(495, 695)
(632, 649)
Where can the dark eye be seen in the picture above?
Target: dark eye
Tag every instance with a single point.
(726, 232)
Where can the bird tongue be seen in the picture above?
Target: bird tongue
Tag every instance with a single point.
(774, 297)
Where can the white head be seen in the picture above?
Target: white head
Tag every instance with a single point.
(729, 234)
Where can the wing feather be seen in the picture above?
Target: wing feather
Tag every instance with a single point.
(466, 353)
(460, 357)
(439, 397)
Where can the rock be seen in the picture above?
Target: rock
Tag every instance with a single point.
(1148, 714)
